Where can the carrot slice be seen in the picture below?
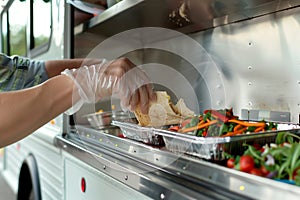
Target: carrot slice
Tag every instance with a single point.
(201, 122)
(237, 127)
(247, 123)
(258, 129)
(198, 126)
(240, 131)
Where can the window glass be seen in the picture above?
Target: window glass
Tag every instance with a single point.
(4, 38)
(41, 22)
(17, 27)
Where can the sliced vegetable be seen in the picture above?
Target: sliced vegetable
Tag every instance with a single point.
(240, 131)
(174, 128)
(218, 123)
(185, 122)
(237, 127)
(258, 129)
(220, 116)
(247, 123)
(189, 129)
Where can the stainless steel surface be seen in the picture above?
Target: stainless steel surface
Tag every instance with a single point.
(259, 62)
(257, 115)
(100, 120)
(158, 172)
(201, 15)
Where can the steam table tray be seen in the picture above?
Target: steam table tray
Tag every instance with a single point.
(211, 148)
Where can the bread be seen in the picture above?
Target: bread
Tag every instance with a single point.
(181, 109)
(163, 112)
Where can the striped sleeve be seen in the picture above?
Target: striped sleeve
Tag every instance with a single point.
(19, 72)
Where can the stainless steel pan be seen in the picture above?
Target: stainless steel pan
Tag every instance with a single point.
(104, 119)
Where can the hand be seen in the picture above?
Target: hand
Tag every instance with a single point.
(118, 77)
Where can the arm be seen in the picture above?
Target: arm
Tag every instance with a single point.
(55, 67)
(17, 72)
(24, 111)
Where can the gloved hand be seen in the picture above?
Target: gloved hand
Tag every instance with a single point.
(120, 78)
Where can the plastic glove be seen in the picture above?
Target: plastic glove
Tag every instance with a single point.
(120, 78)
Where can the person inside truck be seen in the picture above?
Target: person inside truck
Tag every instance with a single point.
(25, 110)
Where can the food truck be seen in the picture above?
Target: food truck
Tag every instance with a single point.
(236, 56)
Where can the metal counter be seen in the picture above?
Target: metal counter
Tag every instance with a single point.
(161, 174)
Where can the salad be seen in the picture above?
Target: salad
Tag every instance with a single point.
(220, 123)
(279, 160)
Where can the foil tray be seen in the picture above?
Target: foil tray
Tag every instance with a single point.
(215, 148)
(210, 148)
(138, 133)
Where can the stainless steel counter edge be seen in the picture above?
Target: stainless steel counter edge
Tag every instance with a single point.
(155, 183)
(158, 170)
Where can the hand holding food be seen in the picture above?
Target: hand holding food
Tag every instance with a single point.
(118, 77)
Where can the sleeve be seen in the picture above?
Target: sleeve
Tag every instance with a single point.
(18, 72)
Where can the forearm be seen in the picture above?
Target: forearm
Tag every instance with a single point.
(55, 67)
(33, 108)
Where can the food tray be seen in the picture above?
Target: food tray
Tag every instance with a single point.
(103, 120)
(211, 148)
(143, 134)
(214, 148)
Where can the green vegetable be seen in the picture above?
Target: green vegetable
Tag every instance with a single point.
(251, 129)
(281, 159)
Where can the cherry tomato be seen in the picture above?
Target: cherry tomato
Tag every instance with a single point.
(230, 162)
(256, 171)
(264, 170)
(246, 163)
(257, 146)
(295, 173)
